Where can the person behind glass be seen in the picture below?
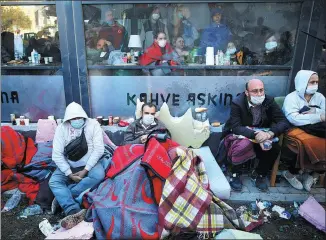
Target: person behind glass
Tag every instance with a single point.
(216, 35)
(100, 52)
(179, 53)
(305, 108)
(286, 47)
(158, 54)
(185, 28)
(138, 131)
(73, 177)
(151, 27)
(253, 108)
(271, 54)
(112, 31)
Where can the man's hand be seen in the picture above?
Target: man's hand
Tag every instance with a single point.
(81, 173)
(262, 136)
(76, 179)
(143, 138)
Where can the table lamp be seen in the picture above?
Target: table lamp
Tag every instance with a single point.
(135, 43)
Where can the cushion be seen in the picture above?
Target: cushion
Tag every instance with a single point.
(279, 101)
(185, 130)
(218, 183)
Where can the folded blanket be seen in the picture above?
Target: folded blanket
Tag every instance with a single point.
(187, 204)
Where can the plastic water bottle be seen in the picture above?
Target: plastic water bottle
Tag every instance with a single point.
(31, 211)
(34, 57)
(13, 201)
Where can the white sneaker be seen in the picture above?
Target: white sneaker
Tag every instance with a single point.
(309, 180)
(292, 180)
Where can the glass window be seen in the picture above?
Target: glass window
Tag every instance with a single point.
(199, 34)
(29, 36)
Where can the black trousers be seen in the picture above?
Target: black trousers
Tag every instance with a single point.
(317, 129)
(266, 159)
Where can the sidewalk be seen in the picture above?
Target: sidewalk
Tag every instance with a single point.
(282, 192)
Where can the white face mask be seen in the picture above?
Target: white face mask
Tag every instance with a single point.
(270, 45)
(257, 100)
(312, 89)
(148, 119)
(231, 50)
(155, 16)
(162, 43)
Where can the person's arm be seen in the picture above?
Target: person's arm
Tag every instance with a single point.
(291, 111)
(129, 137)
(281, 123)
(98, 147)
(58, 152)
(236, 124)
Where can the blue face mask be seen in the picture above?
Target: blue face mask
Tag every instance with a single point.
(110, 22)
(180, 15)
(270, 45)
(78, 123)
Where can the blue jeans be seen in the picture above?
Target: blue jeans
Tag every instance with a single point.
(65, 190)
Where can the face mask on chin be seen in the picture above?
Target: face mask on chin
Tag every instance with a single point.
(148, 119)
(257, 100)
(311, 89)
(77, 123)
(231, 50)
(110, 22)
(270, 45)
(161, 43)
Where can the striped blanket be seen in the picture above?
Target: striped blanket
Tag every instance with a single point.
(187, 205)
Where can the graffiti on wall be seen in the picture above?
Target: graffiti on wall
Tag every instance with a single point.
(117, 95)
(34, 97)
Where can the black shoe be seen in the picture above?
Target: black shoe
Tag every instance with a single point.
(260, 181)
(235, 182)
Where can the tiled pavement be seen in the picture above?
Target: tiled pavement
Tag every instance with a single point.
(282, 192)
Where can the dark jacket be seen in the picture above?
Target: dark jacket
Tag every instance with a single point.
(240, 117)
(137, 129)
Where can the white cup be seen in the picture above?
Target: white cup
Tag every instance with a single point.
(26, 120)
(50, 59)
(51, 117)
(17, 122)
(59, 121)
(46, 60)
(30, 59)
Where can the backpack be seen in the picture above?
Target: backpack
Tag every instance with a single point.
(45, 130)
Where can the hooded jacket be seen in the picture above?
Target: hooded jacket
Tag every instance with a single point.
(65, 133)
(296, 101)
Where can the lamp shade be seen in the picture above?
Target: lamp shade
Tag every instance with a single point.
(134, 41)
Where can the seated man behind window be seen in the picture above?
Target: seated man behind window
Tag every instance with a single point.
(255, 109)
(305, 108)
(138, 131)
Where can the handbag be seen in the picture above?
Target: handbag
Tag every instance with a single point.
(77, 148)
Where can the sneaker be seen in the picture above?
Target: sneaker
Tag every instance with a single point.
(55, 207)
(309, 180)
(235, 182)
(72, 220)
(292, 180)
(259, 181)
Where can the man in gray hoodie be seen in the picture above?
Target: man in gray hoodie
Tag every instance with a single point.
(73, 177)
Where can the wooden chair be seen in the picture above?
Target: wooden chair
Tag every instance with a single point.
(279, 101)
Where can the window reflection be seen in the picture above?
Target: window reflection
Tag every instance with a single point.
(29, 35)
(238, 33)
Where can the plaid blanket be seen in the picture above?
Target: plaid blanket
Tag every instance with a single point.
(187, 203)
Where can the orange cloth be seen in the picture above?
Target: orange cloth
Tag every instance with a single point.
(307, 147)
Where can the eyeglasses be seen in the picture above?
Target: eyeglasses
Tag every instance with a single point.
(256, 91)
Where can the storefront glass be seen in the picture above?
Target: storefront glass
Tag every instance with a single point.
(130, 35)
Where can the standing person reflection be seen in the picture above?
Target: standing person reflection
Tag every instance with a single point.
(152, 27)
(216, 35)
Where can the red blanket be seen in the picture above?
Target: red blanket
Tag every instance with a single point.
(12, 159)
